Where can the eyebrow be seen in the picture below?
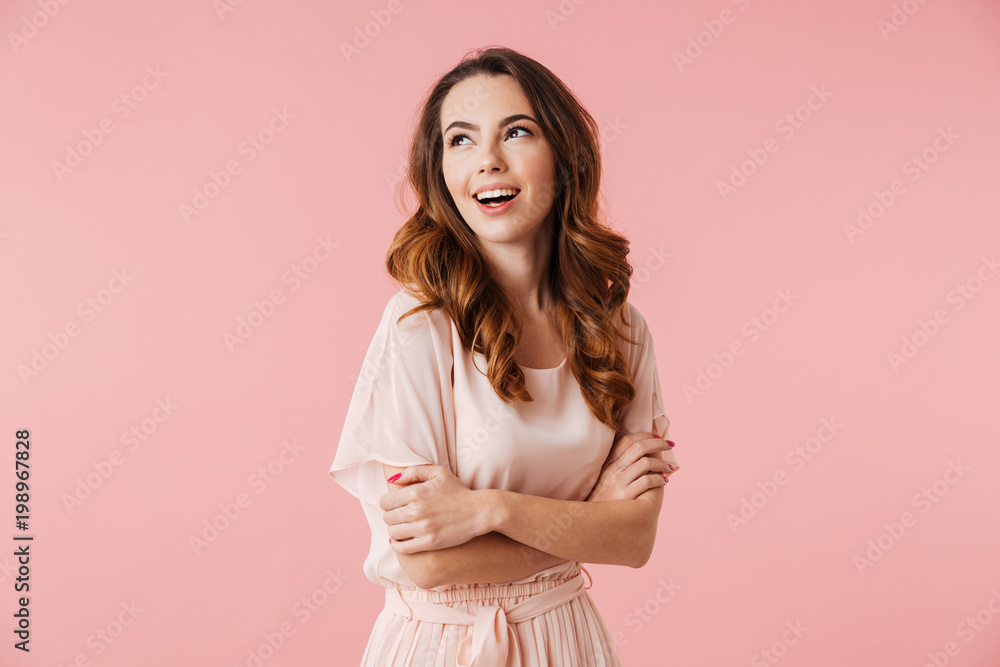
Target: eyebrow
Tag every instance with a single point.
(506, 121)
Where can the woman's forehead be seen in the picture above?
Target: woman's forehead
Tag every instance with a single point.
(483, 97)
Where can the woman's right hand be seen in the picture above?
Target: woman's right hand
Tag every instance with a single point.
(633, 467)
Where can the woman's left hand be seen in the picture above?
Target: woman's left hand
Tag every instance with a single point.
(634, 466)
(435, 511)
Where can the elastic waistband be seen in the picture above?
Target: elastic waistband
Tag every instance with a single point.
(491, 639)
(485, 592)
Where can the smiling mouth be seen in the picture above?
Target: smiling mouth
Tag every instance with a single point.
(497, 201)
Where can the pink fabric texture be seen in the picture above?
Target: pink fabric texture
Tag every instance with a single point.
(420, 399)
(538, 623)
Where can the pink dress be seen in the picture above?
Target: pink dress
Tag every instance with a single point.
(420, 399)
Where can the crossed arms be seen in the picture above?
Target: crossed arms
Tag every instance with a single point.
(444, 533)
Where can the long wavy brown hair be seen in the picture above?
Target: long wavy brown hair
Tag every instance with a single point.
(437, 257)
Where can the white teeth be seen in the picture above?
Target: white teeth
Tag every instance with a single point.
(495, 193)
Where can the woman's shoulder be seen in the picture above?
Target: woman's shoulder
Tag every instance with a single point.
(423, 330)
(634, 314)
(407, 298)
(634, 317)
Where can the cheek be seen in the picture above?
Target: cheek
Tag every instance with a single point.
(540, 168)
(455, 182)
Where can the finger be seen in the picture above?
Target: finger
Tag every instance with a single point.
(641, 448)
(621, 445)
(641, 467)
(653, 444)
(402, 532)
(395, 517)
(668, 456)
(645, 465)
(394, 499)
(409, 546)
(415, 473)
(645, 483)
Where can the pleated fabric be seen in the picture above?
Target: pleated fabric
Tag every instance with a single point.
(538, 624)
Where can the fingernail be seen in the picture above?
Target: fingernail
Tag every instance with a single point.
(671, 467)
(390, 540)
(394, 478)
(665, 479)
(671, 443)
(655, 436)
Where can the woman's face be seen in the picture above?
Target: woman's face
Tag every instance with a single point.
(493, 142)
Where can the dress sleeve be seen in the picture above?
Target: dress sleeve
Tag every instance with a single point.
(402, 409)
(645, 413)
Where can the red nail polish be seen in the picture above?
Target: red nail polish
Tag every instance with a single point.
(656, 436)
(665, 479)
(390, 540)
(671, 443)
(395, 477)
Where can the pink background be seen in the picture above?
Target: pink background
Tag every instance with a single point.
(706, 266)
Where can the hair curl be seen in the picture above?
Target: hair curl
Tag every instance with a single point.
(439, 259)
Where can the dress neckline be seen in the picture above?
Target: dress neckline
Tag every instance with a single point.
(544, 370)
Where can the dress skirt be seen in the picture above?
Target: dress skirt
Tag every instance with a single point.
(536, 624)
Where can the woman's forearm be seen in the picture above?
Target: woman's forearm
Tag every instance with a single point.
(617, 532)
(492, 558)
(518, 535)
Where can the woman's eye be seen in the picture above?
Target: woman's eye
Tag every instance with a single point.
(454, 140)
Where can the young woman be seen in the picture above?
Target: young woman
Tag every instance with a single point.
(508, 424)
